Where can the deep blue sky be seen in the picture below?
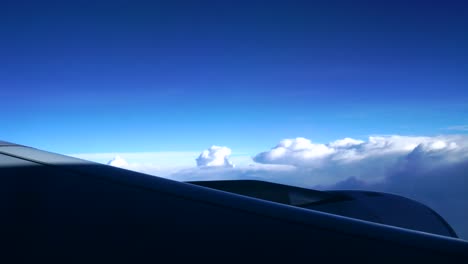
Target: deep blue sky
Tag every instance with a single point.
(80, 76)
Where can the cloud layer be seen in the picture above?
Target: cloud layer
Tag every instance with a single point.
(302, 152)
(369, 160)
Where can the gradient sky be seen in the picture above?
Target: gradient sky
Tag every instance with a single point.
(81, 76)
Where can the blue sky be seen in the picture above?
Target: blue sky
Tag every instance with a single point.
(83, 77)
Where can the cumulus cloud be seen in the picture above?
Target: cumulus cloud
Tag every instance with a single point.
(302, 152)
(345, 142)
(117, 161)
(215, 156)
(299, 151)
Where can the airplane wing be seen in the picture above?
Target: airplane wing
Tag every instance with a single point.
(377, 207)
(58, 207)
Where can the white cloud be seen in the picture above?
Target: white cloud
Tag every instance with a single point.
(345, 142)
(215, 156)
(298, 151)
(117, 161)
(301, 152)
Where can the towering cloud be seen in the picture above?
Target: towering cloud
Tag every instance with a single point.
(215, 156)
(298, 151)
